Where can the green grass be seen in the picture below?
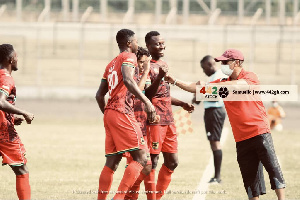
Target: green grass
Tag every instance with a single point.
(66, 155)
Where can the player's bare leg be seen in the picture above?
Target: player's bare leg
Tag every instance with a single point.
(165, 173)
(22, 181)
(215, 145)
(280, 193)
(254, 198)
(154, 160)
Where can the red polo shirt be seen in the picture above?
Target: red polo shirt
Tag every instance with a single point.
(247, 118)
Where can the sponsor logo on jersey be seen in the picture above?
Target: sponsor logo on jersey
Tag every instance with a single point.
(155, 145)
(142, 141)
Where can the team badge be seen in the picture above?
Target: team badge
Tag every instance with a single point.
(155, 145)
(142, 141)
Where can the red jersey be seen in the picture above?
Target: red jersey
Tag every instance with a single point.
(120, 99)
(162, 99)
(7, 129)
(139, 107)
(247, 118)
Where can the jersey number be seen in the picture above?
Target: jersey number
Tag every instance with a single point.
(112, 81)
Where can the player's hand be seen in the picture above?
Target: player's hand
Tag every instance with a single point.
(163, 70)
(146, 65)
(18, 120)
(188, 107)
(194, 101)
(169, 78)
(151, 113)
(28, 117)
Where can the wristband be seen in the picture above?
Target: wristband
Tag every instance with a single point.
(175, 81)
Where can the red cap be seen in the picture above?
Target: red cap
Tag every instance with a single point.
(230, 54)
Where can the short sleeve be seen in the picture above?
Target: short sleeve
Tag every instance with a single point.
(6, 84)
(104, 77)
(251, 78)
(219, 80)
(130, 60)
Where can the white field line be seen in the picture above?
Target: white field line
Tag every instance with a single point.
(203, 186)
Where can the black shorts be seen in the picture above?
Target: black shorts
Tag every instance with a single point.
(214, 120)
(251, 155)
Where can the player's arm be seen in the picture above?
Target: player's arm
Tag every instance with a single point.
(18, 120)
(100, 95)
(9, 108)
(186, 106)
(142, 83)
(127, 72)
(152, 89)
(190, 87)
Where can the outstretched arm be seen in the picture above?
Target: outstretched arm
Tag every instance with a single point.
(100, 95)
(7, 107)
(190, 87)
(186, 106)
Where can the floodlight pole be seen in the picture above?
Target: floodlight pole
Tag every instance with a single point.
(268, 11)
(19, 9)
(103, 10)
(2, 9)
(128, 18)
(75, 10)
(171, 18)
(282, 12)
(296, 7)
(158, 10)
(185, 11)
(47, 7)
(241, 11)
(213, 5)
(65, 7)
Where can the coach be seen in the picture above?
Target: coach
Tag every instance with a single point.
(250, 127)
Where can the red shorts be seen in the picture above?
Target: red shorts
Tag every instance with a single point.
(129, 157)
(122, 133)
(13, 153)
(162, 138)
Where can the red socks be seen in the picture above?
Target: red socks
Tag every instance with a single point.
(130, 176)
(23, 187)
(150, 185)
(105, 181)
(163, 181)
(134, 190)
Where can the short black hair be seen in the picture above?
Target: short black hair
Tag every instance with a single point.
(206, 58)
(142, 52)
(123, 36)
(5, 52)
(149, 35)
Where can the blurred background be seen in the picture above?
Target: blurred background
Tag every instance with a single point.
(64, 45)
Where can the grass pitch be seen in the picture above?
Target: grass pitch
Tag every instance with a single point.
(65, 151)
